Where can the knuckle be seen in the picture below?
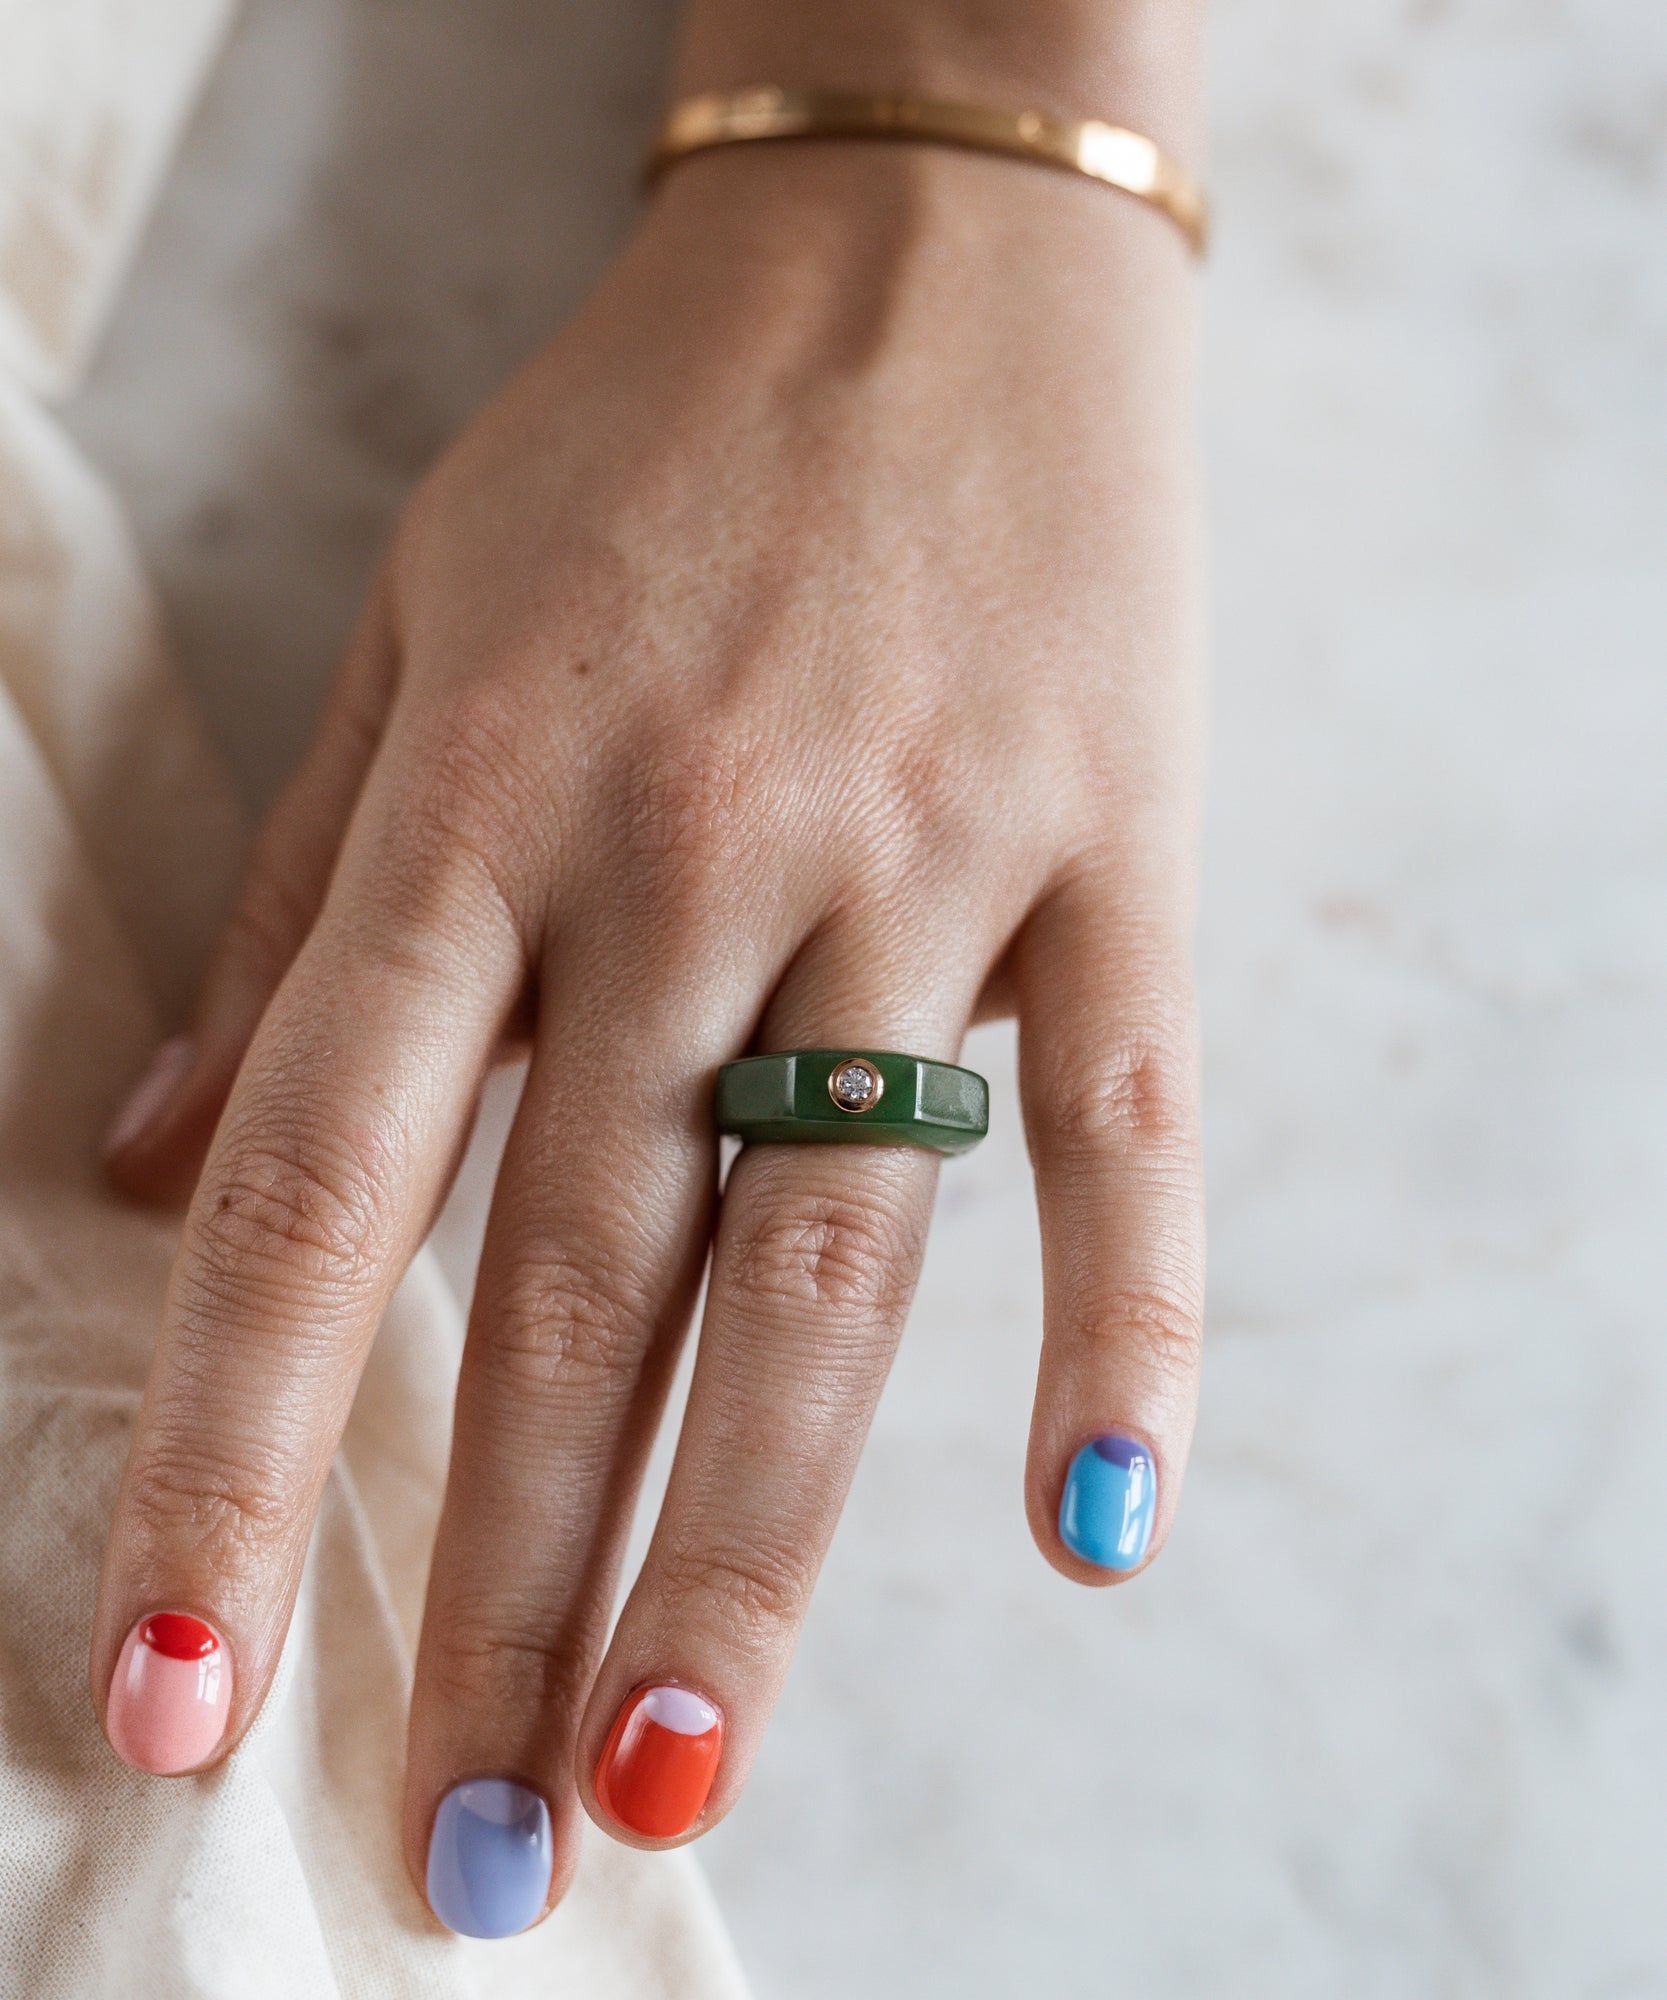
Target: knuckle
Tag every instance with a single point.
(937, 810)
(824, 1251)
(749, 1592)
(466, 813)
(1167, 1322)
(308, 1205)
(473, 754)
(692, 808)
(1139, 1094)
(490, 1658)
(563, 1328)
(190, 1501)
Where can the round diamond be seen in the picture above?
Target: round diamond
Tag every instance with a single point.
(854, 1086)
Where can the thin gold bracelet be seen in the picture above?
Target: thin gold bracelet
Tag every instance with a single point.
(1106, 153)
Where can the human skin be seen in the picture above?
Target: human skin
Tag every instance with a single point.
(803, 649)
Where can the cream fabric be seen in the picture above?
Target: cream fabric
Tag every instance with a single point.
(280, 1874)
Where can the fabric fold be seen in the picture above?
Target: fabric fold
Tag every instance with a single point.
(279, 1874)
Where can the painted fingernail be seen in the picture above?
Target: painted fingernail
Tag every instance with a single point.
(170, 1695)
(150, 1096)
(1110, 1497)
(659, 1762)
(489, 1858)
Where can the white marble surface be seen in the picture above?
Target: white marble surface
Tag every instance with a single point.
(1390, 1719)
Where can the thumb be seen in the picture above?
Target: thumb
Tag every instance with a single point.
(155, 1144)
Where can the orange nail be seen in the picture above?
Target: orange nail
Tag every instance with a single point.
(658, 1764)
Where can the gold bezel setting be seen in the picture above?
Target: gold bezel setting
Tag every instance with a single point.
(861, 1063)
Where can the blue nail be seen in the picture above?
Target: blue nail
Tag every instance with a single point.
(1110, 1497)
(489, 1858)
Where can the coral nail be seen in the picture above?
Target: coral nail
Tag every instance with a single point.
(489, 1858)
(170, 1695)
(1110, 1499)
(659, 1761)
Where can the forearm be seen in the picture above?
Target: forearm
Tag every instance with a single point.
(1135, 62)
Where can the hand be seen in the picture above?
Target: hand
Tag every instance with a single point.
(801, 651)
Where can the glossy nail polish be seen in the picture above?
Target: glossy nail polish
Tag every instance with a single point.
(659, 1761)
(170, 1695)
(489, 1858)
(1110, 1498)
(151, 1094)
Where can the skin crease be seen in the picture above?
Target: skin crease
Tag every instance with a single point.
(803, 647)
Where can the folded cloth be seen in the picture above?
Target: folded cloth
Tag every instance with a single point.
(91, 95)
(280, 1873)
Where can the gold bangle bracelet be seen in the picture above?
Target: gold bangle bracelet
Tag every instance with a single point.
(1105, 153)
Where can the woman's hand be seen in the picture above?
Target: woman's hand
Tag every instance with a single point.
(801, 651)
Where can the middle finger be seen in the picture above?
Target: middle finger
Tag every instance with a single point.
(598, 1233)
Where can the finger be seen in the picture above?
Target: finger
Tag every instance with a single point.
(598, 1234)
(817, 1254)
(600, 1226)
(156, 1142)
(1108, 1071)
(319, 1185)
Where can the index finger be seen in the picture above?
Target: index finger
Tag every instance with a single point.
(331, 1156)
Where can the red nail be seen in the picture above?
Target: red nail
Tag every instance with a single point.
(170, 1694)
(661, 1756)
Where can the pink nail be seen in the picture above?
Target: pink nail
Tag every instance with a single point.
(170, 1695)
(150, 1095)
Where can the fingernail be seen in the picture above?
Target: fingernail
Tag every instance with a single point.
(170, 1695)
(150, 1095)
(1110, 1497)
(489, 1858)
(661, 1757)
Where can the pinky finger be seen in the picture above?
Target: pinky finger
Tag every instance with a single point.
(156, 1143)
(1108, 1070)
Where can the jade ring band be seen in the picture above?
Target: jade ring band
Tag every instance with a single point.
(874, 1097)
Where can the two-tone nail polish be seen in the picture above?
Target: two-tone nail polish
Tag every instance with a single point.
(657, 1767)
(1109, 1503)
(489, 1858)
(170, 1696)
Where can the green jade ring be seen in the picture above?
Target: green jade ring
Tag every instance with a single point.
(874, 1097)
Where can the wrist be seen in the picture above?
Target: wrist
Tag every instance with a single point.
(944, 275)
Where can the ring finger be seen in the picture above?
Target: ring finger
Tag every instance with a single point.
(817, 1253)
